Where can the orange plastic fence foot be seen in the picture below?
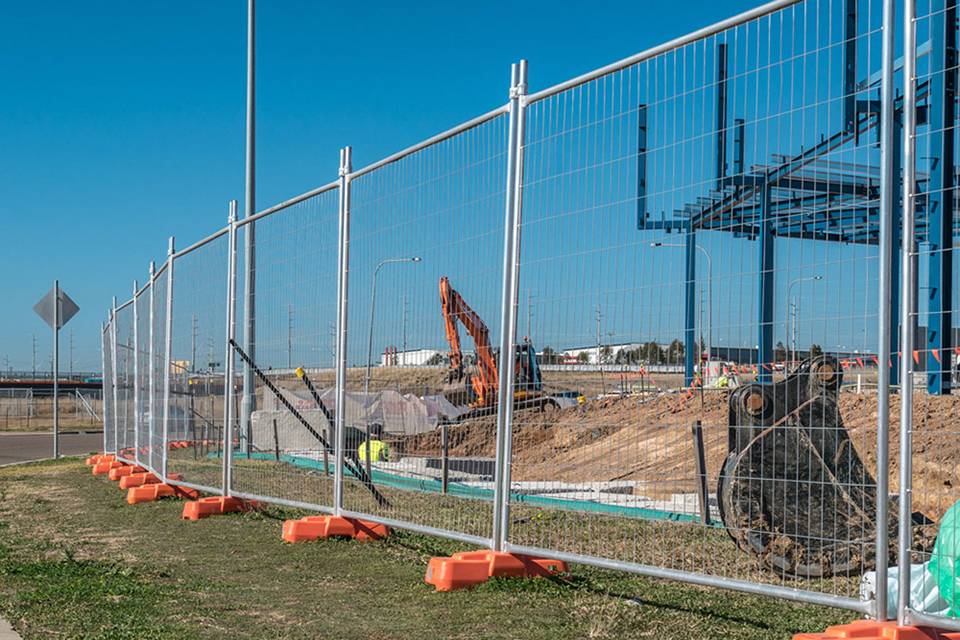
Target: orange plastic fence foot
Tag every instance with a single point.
(470, 568)
(870, 630)
(122, 472)
(156, 491)
(138, 480)
(103, 468)
(100, 457)
(314, 527)
(214, 506)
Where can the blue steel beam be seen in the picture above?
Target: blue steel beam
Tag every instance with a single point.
(721, 168)
(641, 165)
(690, 297)
(765, 275)
(943, 32)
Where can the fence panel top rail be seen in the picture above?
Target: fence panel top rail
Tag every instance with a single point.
(693, 36)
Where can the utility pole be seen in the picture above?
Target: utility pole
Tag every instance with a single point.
(71, 353)
(250, 281)
(529, 313)
(193, 343)
(289, 336)
(403, 354)
(34, 356)
(598, 334)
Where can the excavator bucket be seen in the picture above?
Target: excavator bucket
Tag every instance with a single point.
(793, 490)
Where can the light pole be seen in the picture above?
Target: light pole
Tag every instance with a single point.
(791, 329)
(709, 288)
(373, 303)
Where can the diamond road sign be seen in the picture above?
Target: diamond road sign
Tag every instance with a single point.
(45, 309)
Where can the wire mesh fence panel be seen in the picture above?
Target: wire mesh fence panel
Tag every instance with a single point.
(426, 256)
(126, 379)
(195, 415)
(108, 406)
(933, 431)
(32, 410)
(141, 440)
(157, 372)
(699, 263)
(283, 451)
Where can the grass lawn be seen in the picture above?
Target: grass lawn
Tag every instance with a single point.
(76, 561)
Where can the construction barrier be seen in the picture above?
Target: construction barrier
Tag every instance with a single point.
(716, 216)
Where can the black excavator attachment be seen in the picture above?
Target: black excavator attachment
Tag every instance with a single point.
(793, 490)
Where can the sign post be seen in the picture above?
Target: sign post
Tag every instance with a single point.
(56, 308)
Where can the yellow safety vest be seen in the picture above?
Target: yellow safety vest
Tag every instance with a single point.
(378, 451)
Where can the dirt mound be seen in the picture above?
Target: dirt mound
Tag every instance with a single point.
(650, 442)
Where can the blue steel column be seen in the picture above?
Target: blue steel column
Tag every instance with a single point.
(943, 32)
(765, 288)
(690, 297)
(895, 232)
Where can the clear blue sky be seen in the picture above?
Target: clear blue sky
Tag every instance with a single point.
(122, 123)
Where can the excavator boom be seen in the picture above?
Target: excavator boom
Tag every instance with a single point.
(456, 309)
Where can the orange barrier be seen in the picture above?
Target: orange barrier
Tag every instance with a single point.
(314, 527)
(138, 480)
(871, 630)
(103, 468)
(470, 568)
(156, 491)
(214, 506)
(121, 472)
(100, 457)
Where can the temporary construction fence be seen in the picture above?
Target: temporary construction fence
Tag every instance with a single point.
(729, 200)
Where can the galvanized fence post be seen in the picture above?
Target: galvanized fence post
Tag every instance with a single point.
(151, 409)
(231, 320)
(103, 379)
(167, 357)
(343, 261)
(136, 385)
(885, 296)
(113, 348)
(907, 309)
(508, 305)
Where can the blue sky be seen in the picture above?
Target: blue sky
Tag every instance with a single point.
(122, 123)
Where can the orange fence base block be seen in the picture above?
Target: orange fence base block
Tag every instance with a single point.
(156, 491)
(122, 472)
(103, 468)
(214, 506)
(314, 527)
(870, 630)
(138, 480)
(98, 458)
(470, 568)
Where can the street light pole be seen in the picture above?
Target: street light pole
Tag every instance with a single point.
(709, 288)
(373, 303)
(792, 330)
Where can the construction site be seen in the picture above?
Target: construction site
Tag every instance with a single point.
(665, 318)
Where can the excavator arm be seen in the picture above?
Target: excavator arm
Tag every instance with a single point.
(456, 309)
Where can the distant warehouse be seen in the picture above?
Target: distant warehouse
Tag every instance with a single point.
(391, 357)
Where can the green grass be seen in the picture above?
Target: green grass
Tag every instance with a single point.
(77, 562)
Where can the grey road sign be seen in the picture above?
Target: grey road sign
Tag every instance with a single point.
(45, 308)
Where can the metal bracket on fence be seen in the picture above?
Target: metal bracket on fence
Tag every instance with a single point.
(352, 463)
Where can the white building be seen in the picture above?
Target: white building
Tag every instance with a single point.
(391, 357)
(593, 353)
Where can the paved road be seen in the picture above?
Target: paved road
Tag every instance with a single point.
(17, 447)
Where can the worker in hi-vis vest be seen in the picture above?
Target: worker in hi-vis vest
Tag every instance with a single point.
(379, 452)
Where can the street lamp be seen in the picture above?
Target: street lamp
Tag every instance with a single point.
(709, 288)
(791, 326)
(373, 303)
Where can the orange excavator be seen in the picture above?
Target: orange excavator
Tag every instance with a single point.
(479, 391)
